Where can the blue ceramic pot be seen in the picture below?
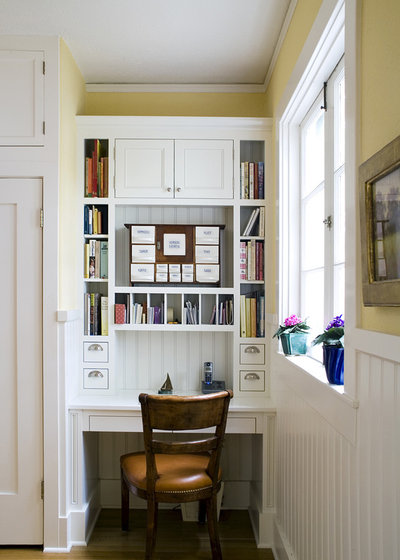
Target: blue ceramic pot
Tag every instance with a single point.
(294, 344)
(334, 364)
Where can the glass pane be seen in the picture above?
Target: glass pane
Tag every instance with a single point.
(339, 97)
(339, 217)
(312, 297)
(313, 231)
(313, 152)
(338, 290)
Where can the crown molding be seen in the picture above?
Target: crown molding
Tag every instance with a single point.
(175, 88)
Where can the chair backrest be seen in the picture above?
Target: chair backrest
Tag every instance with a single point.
(178, 413)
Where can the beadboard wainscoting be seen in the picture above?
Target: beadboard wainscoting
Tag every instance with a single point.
(338, 499)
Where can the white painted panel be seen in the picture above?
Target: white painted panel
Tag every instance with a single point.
(204, 169)
(21, 98)
(9, 403)
(115, 423)
(21, 350)
(144, 168)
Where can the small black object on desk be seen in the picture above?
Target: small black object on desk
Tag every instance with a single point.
(166, 388)
(212, 387)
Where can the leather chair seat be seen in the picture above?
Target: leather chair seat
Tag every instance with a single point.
(177, 473)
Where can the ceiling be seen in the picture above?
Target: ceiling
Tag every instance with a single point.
(181, 43)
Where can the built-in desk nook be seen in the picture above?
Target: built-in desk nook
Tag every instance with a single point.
(102, 428)
(171, 275)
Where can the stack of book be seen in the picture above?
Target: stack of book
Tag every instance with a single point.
(96, 259)
(96, 171)
(96, 314)
(251, 260)
(225, 312)
(252, 180)
(252, 315)
(95, 220)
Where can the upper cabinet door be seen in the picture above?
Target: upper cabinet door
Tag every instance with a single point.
(144, 168)
(21, 98)
(203, 169)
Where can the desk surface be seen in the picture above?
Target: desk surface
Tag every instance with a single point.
(128, 401)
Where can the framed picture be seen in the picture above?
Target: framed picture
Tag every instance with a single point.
(379, 184)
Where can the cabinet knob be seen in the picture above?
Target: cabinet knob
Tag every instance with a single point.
(252, 376)
(252, 350)
(95, 348)
(95, 373)
(169, 189)
(179, 189)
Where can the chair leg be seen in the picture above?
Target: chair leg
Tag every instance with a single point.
(152, 513)
(212, 522)
(124, 505)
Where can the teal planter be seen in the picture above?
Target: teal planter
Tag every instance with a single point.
(294, 344)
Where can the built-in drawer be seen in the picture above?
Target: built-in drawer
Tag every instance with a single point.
(94, 378)
(252, 380)
(95, 352)
(253, 354)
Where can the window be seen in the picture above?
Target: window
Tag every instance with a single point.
(321, 205)
(312, 183)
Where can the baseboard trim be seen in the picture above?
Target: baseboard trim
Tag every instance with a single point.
(281, 548)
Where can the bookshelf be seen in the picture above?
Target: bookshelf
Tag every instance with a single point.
(142, 324)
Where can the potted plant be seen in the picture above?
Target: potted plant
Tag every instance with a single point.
(333, 349)
(293, 335)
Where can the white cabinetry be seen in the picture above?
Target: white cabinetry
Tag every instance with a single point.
(173, 321)
(151, 168)
(21, 98)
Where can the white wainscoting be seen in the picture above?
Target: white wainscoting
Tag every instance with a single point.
(339, 499)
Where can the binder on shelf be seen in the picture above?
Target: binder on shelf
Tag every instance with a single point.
(104, 315)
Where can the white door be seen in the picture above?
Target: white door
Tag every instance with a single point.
(21, 449)
(203, 169)
(144, 168)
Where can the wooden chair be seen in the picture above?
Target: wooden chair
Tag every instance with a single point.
(177, 472)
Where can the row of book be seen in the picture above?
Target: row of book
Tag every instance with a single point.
(191, 313)
(95, 259)
(96, 314)
(225, 313)
(255, 223)
(252, 180)
(251, 260)
(252, 315)
(95, 220)
(96, 170)
(138, 313)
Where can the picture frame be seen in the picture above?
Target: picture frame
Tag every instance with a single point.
(379, 197)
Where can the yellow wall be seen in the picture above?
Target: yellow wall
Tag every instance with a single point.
(297, 33)
(380, 111)
(72, 98)
(176, 104)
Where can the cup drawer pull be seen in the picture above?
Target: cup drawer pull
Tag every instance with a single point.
(252, 350)
(95, 373)
(252, 376)
(95, 348)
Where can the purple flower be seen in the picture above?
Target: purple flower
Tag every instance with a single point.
(336, 322)
(292, 320)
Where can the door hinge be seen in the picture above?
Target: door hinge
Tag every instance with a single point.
(44, 67)
(42, 489)
(44, 128)
(328, 222)
(41, 218)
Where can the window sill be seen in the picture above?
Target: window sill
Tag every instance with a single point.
(308, 379)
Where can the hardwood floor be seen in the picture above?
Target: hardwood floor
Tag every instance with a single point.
(176, 540)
